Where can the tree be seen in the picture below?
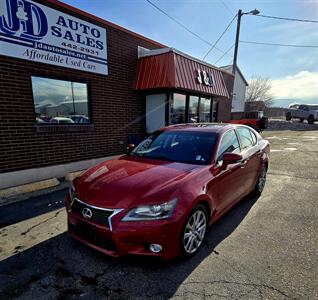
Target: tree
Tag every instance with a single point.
(259, 90)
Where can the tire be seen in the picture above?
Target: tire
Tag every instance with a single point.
(288, 116)
(192, 236)
(263, 123)
(311, 119)
(301, 120)
(261, 180)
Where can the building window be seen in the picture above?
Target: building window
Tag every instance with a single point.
(205, 110)
(193, 109)
(178, 105)
(60, 101)
(215, 106)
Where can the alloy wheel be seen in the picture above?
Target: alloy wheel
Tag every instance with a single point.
(262, 180)
(194, 232)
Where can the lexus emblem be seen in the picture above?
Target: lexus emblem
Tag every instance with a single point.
(87, 213)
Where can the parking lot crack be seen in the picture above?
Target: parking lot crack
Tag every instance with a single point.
(42, 222)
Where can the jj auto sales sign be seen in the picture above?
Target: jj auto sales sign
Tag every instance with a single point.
(35, 32)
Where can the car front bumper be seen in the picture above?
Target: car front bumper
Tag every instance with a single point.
(126, 238)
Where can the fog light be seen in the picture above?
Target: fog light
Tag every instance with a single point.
(156, 248)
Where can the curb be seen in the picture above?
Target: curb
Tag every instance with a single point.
(27, 191)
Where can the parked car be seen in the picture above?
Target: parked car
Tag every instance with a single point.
(160, 198)
(303, 112)
(62, 120)
(81, 119)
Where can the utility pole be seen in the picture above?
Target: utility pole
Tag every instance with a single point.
(237, 39)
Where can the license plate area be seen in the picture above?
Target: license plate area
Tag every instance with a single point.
(89, 233)
(85, 231)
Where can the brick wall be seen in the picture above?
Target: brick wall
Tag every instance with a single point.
(114, 105)
(225, 104)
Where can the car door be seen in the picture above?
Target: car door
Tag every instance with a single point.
(226, 186)
(251, 157)
(302, 112)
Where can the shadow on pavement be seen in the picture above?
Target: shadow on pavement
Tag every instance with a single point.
(30, 208)
(62, 268)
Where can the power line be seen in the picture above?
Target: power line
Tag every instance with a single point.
(183, 26)
(227, 51)
(276, 44)
(287, 19)
(227, 7)
(225, 30)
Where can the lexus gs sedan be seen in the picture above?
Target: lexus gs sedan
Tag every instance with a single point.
(160, 198)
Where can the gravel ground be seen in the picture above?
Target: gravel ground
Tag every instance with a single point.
(264, 248)
(280, 124)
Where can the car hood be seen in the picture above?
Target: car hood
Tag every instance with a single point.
(127, 181)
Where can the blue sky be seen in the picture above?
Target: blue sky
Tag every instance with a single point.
(293, 71)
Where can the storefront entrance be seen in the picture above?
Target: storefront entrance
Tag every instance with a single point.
(164, 109)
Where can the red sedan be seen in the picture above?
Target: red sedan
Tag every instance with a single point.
(160, 198)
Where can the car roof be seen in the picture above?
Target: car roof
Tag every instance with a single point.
(200, 127)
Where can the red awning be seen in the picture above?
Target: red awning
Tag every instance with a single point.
(175, 70)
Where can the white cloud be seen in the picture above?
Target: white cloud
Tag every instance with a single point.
(303, 85)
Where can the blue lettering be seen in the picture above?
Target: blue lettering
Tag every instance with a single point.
(24, 17)
(56, 31)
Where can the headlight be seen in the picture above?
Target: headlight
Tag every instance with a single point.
(151, 212)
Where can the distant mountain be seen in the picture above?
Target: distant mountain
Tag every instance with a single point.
(287, 102)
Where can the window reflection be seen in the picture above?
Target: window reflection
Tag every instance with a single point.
(215, 111)
(178, 105)
(60, 101)
(205, 105)
(193, 109)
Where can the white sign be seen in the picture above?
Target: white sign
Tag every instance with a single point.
(35, 32)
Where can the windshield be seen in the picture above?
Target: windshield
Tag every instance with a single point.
(178, 146)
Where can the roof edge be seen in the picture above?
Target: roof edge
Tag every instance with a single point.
(160, 51)
(102, 21)
(239, 70)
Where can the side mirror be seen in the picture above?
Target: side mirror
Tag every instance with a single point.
(130, 147)
(231, 158)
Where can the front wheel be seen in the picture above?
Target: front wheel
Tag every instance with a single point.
(288, 116)
(194, 230)
(311, 119)
(260, 184)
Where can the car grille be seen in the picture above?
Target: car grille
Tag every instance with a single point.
(99, 215)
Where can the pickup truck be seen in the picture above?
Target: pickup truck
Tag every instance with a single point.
(303, 112)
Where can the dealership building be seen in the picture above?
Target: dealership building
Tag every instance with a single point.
(74, 88)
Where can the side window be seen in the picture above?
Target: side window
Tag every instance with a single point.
(245, 137)
(254, 138)
(229, 143)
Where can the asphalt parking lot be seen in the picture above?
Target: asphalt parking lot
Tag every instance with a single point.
(264, 248)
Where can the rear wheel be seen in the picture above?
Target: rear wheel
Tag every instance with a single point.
(311, 119)
(288, 116)
(260, 184)
(194, 230)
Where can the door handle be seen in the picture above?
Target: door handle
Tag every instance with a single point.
(243, 163)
